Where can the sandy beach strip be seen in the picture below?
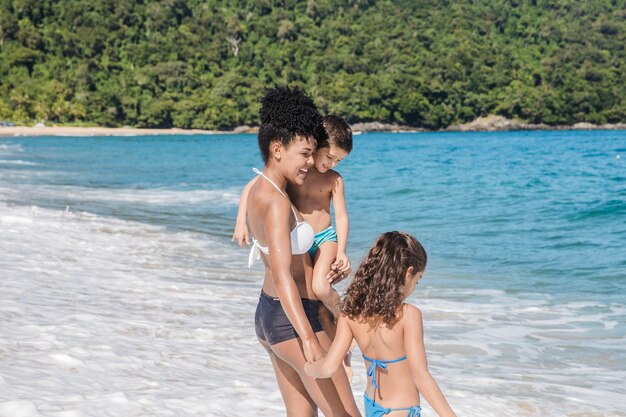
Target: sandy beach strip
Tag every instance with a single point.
(99, 131)
(482, 124)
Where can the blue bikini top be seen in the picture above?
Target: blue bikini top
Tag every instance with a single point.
(301, 236)
(371, 407)
(375, 363)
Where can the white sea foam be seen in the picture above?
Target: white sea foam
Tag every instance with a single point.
(9, 219)
(156, 196)
(18, 409)
(10, 148)
(103, 317)
(17, 162)
(119, 318)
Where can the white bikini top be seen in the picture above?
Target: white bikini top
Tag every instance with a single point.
(302, 235)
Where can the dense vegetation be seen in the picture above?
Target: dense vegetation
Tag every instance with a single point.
(421, 63)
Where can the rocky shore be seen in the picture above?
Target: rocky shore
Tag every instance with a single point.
(485, 124)
(500, 123)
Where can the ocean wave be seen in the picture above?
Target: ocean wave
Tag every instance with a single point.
(95, 302)
(157, 302)
(17, 162)
(402, 192)
(10, 148)
(606, 209)
(155, 197)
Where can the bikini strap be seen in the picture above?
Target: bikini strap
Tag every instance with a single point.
(383, 362)
(375, 363)
(415, 411)
(279, 190)
(271, 182)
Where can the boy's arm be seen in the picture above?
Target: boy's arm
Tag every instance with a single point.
(342, 225)
(326, 367)
(241, 234)
(415, 351)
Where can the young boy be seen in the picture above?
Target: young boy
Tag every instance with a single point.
(312, 199)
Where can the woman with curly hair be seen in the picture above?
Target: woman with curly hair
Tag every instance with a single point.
(286, 319)
(388, 331)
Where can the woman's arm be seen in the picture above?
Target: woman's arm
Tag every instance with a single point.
(324, 368)
(241, 234)
(276, 225)
(342, 226)
(414, 347)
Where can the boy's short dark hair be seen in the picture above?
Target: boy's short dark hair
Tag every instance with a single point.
(286, 112)
(337, 132)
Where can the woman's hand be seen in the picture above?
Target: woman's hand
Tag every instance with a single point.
(326, 367)
(312, 350)
(340, 269)
(241, 234)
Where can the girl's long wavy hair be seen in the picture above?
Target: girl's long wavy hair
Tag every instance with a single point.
(378, 285)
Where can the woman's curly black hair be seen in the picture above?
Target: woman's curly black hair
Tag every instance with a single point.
(378, 285)
(286, 112)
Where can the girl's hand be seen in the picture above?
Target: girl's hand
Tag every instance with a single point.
(314, 369)
(336, 355)
(340, 269)
(241, 234)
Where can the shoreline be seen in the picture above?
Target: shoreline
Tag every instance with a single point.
(99, 131)
(485, 124)
(482, 124)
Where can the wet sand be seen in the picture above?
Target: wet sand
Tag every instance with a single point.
(98, 131)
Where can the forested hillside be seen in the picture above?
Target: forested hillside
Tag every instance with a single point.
(204, 64)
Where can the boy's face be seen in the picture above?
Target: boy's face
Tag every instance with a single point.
(328, 157)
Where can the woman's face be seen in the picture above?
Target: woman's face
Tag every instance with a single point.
(297, 158)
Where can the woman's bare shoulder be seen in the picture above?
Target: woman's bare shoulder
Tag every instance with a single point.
(270, 200)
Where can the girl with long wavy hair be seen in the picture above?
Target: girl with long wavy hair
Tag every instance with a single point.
(389, 331)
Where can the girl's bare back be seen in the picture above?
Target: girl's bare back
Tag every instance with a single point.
(383, 342)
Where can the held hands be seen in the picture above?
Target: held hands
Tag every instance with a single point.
(241, 234)
(314, 369)
(340, 269)
(314, 359)
(312, 350)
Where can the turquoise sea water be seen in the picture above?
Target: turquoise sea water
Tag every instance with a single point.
(527, 211)
(526, 235)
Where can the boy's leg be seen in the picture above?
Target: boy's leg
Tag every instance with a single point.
(323, 259)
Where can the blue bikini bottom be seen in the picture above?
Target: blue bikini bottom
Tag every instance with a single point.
(376, 410)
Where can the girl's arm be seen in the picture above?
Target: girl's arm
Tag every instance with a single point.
(276, 225)
(342, 226)
(327, 366)
(414, 346)
(241, 234)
